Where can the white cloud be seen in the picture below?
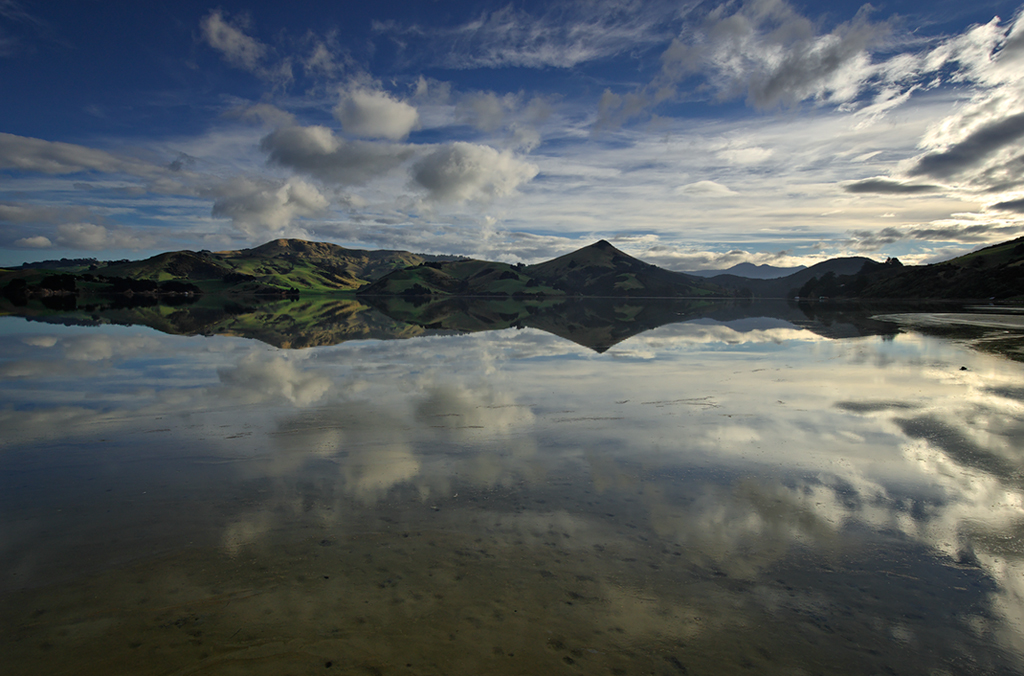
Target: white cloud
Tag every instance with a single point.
(53, 157)
(375, 114)
(241, 50)
(708, 188)
(565, 35)
(464, 171)
(318, 152)
(37, 242)
(263, 114)
(748, 155)
(263, 209)
(92, 237)
(485, 110)
(238, 49)
(258, 377)
(771, 54)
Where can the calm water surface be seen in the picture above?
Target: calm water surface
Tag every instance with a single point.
(710, 497)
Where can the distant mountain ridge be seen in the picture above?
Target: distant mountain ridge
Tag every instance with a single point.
(788, 286)
(750, 271)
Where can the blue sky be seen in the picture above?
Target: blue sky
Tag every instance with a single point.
(691, 134)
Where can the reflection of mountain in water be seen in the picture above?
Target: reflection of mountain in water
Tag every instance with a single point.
(595, 323)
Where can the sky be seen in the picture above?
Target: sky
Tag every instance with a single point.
(694, 135)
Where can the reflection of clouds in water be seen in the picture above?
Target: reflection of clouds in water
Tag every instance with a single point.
(425, 436)
(39, 368)
(702, 334)
(260, 377)
(456, 409)
(371, 472)
(40, 341)
(836, 433)
(50, 423)
(245, 532)
(103, 347)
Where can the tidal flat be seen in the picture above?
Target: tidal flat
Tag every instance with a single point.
(746, 494)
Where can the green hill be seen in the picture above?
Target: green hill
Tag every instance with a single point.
(278, 265)
(596, 270)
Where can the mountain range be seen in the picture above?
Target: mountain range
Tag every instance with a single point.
(750, 271)
(289, 267)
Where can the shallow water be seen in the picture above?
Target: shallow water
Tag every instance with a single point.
(744, 496)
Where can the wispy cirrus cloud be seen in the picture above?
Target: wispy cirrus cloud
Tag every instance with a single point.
(565, 35)
(53, 157)
(771, 54)
(13, 15)
(229, 37)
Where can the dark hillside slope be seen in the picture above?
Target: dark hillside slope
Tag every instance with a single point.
(602, 270)
(788, 286)
(993, 272)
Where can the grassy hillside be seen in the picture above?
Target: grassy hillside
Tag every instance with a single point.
(278, 265)
(463, 278)
(285, 323)
(596, 270)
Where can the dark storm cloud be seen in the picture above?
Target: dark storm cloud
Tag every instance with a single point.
(979, 146)
(885, 186)
(975, 233)
(1011, 205)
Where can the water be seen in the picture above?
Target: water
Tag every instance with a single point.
(787, 494)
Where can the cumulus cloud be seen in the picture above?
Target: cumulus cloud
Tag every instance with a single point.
(93, 237)
(885, 186)
(260, 209)
(76, 227)
(375, 114)
(316, 151)
(257, 377)
(464, 171)
(37, 242)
